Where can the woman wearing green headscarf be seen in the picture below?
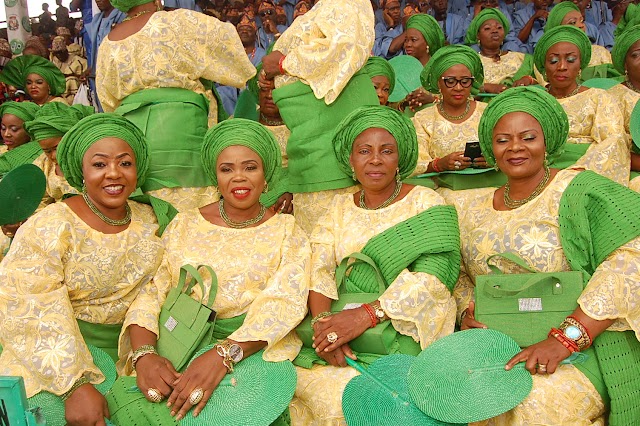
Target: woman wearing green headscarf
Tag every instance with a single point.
(47, 128)
(556, 221)
(378, 147)
(382, 76)
(596, 129)
(444, 128)
(42, 80)
(261, 261)
(69, 281)
(156, 68)
(501, 69)
(17, 148)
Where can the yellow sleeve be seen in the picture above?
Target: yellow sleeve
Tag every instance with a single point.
(423, 123)
(323, 256)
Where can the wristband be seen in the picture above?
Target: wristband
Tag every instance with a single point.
(140, 352)
(319, 317)
(372, 314)
(434, 164)
(566, 342)
(282, 71)
(81, 381)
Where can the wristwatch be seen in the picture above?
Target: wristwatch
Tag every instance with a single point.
(230, 352)
(380, 315)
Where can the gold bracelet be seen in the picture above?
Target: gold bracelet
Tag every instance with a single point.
(140, 352)
(81, 381)
(319, 317)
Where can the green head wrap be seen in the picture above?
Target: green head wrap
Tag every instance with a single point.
(622, 45)
(447, 57)
(535, 102)
(249, 133)
(376, 66)
(125, 5)
(481, 18)
(90, 130)
(430, 30)
(559, 34)
(25, 111)
(558, 13)
(377, 117)
(631, 17)
(16, 71)
(55, 119)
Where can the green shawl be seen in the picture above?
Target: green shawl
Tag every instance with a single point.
(597, 216)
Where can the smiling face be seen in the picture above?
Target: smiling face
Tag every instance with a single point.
(240, 176)
(374, 157)
(518, 145)
(382, 86)
(110, 174)
(13, 132)
(491, 34)
(562, 65)
(38, 88)
(456, 95)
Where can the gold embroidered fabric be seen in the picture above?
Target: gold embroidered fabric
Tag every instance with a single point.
(439, 137)
(326, 46)
(59, 270)
(599, 55)
(262, 271)
(496, 72)
(184, 199)
(595, 118)
(532, 232)
(418, 304)
(281, 134)
(73, 68)
(173, 49)
(626, 99)
(57, 186)
(309, 207)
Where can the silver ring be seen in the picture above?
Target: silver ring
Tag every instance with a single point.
(196, 396)
(457, 163)
(542, 368)
(155, 395)
(456, 167)
(332, 337)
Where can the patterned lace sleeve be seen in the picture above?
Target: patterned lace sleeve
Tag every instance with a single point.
(38, 328)
(277, 310)
(463, 292)
(423, 122)
(323, 257)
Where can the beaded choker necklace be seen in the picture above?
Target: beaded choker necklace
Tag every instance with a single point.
(454, 117)
(630, 86)
(387, 203)
(574, 92)
(105, 219)
(142, 12)
(239, 225)
(514, 204)
(269, 122)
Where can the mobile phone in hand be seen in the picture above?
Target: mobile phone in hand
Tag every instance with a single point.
(472, 150)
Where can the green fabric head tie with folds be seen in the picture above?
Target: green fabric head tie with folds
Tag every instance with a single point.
(54, 119)
(25, 111)
(125, 5)
(622, 45)
(533, 101)
(430, 30)
(562, 33)
(377, 66)
(243, 132)
(17, 70)
(377, 117)
(447, 57)
(90, 130)
(557, 14)
(481, 18)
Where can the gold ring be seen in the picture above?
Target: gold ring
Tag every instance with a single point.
(542, 368)
(196, 396)
(155, 395)
(332, 337)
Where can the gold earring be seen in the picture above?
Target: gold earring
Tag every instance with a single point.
(84, 187)
(266, 188)
(397, 174)
(353, 174)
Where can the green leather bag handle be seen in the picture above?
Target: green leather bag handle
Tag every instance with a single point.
(535, 280)
(344, 267)
(513, 258)
(187, 287)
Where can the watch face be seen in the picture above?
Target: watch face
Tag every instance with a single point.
(236, 353)
(380, 313)
(573, 332)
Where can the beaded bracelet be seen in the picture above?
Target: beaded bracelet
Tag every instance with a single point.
(372, 314)
(434, 164)
(140, 352)
(81, 381)
(319, 317)
(566, 342)
(282, 71)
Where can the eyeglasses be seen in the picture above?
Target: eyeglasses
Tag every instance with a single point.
(266, 12)
(451, 82)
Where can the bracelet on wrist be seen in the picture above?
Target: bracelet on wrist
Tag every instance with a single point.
(434, 164)
(575, 330)
(371, 313)
(319, 317)
(566, 342)
(280, 63)
(81, 381)
(140, 352)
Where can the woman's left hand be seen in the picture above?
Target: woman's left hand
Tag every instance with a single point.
(284, 204)
(479, 163)
(205, 372)
(541, 358)
(271, 64)
(494, 88)
(347, 325)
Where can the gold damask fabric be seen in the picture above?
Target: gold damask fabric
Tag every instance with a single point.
(184, 199)
(418, 304)
(439, 137)
(532, 232)
(57, 186)
(262, 271)
(309, 207)
(626, 99)
(173, 49)
(281, 134)
(599, 55)
(58, 270)
(496, 72)
(595, 118)
(326, 46)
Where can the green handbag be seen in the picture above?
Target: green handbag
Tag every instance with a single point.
(186, 324)
(376, 340)
(526, 306)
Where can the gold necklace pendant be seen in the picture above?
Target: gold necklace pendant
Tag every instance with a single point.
(573, 93)
(630, 86)
(129, 18)
(105, 219)
(454, 117)
(514, 204)
(387, 203)
(239, 225)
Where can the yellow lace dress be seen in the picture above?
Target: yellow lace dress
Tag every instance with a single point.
(418, 304)
(57, 186)
(508, 66)
(58, 270)
(627, 99)
(532, 232)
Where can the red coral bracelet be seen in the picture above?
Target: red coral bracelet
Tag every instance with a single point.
(372, 314)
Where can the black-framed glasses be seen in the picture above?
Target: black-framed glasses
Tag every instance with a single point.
(451, 82)
(267, 12)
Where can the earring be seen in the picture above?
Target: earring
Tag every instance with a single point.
(427, 49)
(580, 75)
(397, 174)
(546, 159)
(626, 75)
(496, 168)
(266, 188)
(353, 174)
(84, 187)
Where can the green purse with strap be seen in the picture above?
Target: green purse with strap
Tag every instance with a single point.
(376, 340)
(526, 306)
(186, 324)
